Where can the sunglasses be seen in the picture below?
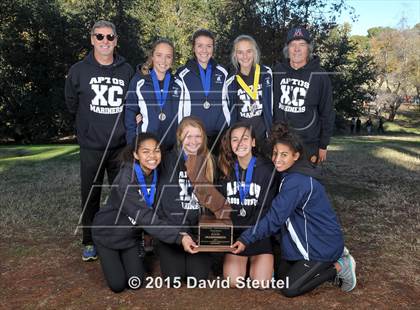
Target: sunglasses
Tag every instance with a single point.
(100, 36)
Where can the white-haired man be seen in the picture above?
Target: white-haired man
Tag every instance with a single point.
(302, 95)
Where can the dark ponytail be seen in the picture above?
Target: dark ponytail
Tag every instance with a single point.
(280, 133)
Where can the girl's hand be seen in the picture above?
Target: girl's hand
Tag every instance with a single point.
(189, 245)
(322, 155)
(238, 247)
(139, 118)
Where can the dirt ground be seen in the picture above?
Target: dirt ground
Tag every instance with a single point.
(51, 275)
(373, 185)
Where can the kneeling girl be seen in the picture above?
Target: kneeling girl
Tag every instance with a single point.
(247, 183)
(301, 215)
(177, 203)
(117, 227)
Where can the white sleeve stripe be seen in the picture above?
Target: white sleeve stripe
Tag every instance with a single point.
(304, 215)
(225, 104)
(292, 231)
(184, 109)
(142, 106)
(187, 101)
(230, 80)
(296, 240)
(181, 100)
(223, 70)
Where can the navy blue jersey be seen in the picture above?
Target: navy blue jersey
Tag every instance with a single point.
(302, 215)
(141, 99)
(192, 98)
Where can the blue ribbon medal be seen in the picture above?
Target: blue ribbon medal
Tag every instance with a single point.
(206, 83)
(161, 94)
(148, 197)
(244, 188)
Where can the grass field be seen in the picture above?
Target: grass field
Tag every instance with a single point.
(373, 182)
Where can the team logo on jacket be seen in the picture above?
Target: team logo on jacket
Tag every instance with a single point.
(219, 78)
(250, 108)
(108, 95)
(186, 196)
(293, 94)
(175, 92)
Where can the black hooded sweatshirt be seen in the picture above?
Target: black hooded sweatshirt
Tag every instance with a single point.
(118, 224)
(96, 94)
(176, 202)
(303, 166)
(263, 188)
(303, 99)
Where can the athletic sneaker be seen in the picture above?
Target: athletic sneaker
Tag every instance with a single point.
(347, 273)
(89, 253)
(337, 281)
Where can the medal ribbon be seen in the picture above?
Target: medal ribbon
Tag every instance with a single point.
(161, 94)
(244, 190)
(148, 198)
(252, 94)
(185, 156)
(205, 78)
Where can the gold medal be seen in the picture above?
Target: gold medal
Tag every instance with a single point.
(253, 107)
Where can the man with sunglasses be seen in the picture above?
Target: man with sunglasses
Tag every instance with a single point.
(95, 91)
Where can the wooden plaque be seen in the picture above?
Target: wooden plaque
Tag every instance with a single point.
(214, 235)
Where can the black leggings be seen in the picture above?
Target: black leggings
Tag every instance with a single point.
(120, 265)
(175, 262)
(92, 172)
(304, 276)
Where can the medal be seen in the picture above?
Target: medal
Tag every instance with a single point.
(161, 94)
(254, 93)
(206, 83)
(194, 202)
(242, 212)
(244, 188)
(253, 107)
(148, 197)
(162, 116)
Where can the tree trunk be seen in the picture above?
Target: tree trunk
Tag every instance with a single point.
(393, 108)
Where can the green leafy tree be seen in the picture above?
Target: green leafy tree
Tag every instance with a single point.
(40, 40)
(396, 54)
(81, 16)
(173, 19)
(269, 20)
(33, 57)
(352, 71)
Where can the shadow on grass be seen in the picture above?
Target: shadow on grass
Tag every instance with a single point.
(35, 153)
(361, 162)
(349, 191)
